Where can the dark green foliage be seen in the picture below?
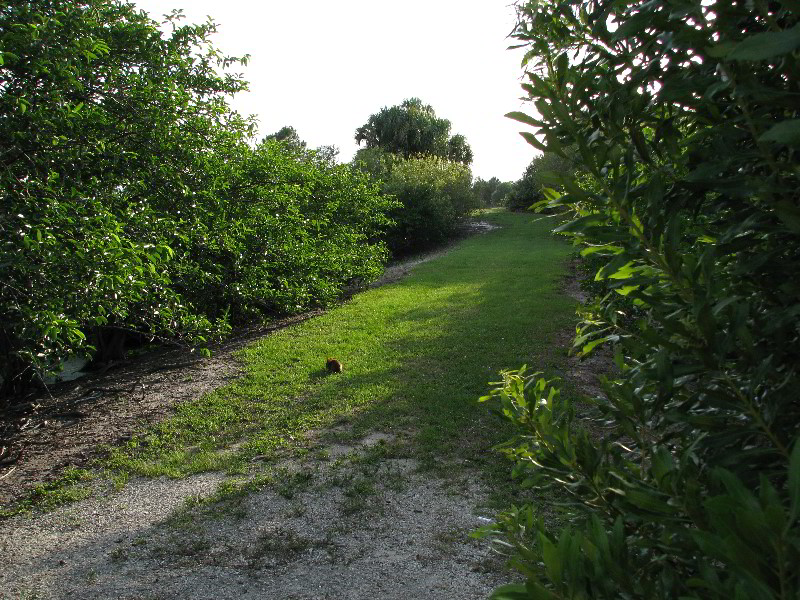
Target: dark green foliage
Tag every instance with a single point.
(492, 192)
(687, 482)
(413, 129)
(131, 200)
(527, 191)
(287, 135)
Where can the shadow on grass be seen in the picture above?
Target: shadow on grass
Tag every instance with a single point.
(417, 355)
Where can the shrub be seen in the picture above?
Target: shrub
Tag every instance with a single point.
(435, 195)
(132, 201)
(492, 192)
(687, 482)
(300, 230)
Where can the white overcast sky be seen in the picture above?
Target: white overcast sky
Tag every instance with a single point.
(324, 67)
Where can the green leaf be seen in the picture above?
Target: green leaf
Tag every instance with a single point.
(720, 50)
(591, 346)
(531, 139)
(551, 558)
(550, 194)
(537, 591)
(789, 213)
(767, 45)
(649, 501)
(785, 132)
(522, 118)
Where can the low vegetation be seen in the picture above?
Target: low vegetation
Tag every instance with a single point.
(528, 190)
(466, 312)
(409, 152)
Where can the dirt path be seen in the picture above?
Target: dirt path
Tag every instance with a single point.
(313, 534)
(344, 522)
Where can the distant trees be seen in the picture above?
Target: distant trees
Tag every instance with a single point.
(491, 192)
(527, 190)
(413, 129)
(287, 135)
(132, 202)
(458, 150)
(409, 151)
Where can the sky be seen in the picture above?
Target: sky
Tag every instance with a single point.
(324, 67)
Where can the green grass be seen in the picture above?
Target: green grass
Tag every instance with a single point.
(72, 485)
(417, 354)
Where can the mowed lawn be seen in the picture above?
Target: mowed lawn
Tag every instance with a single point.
(417, 355)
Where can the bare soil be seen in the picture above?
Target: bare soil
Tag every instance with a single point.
(72, 423)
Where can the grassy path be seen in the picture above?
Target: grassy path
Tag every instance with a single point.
(294, 483)
(417, 354)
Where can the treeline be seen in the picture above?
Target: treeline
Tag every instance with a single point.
(134, 204)
(681, 480)
(409, 151)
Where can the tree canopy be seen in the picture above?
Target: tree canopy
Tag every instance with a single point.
(287, 135)
(413, 129)
(131, 199)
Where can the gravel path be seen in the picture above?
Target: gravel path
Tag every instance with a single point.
(327, 538)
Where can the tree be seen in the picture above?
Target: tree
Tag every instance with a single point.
(413, 129)
(527, 190)
(686, 125)
(492, 192)
(458, 150)
(131, 200)
(501, 193)
(288, 136)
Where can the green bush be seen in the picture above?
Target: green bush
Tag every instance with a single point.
(301, 230)
(491, 192)
(412, 129)
(527, 190)
(132, 201)
(435, 194)
(683, 479)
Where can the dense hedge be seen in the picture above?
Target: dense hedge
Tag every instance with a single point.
(431, 196)
(133, 202)
(436, 195)
(527, 190)
(683, 480)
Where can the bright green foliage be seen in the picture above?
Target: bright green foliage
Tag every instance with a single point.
(466, 311)
(684, 115)
(435, 194)
(131, 200)
(299, 230)
(413, 129)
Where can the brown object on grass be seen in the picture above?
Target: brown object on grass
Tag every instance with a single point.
(333, 365)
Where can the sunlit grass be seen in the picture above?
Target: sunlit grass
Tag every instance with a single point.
(417, 354)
